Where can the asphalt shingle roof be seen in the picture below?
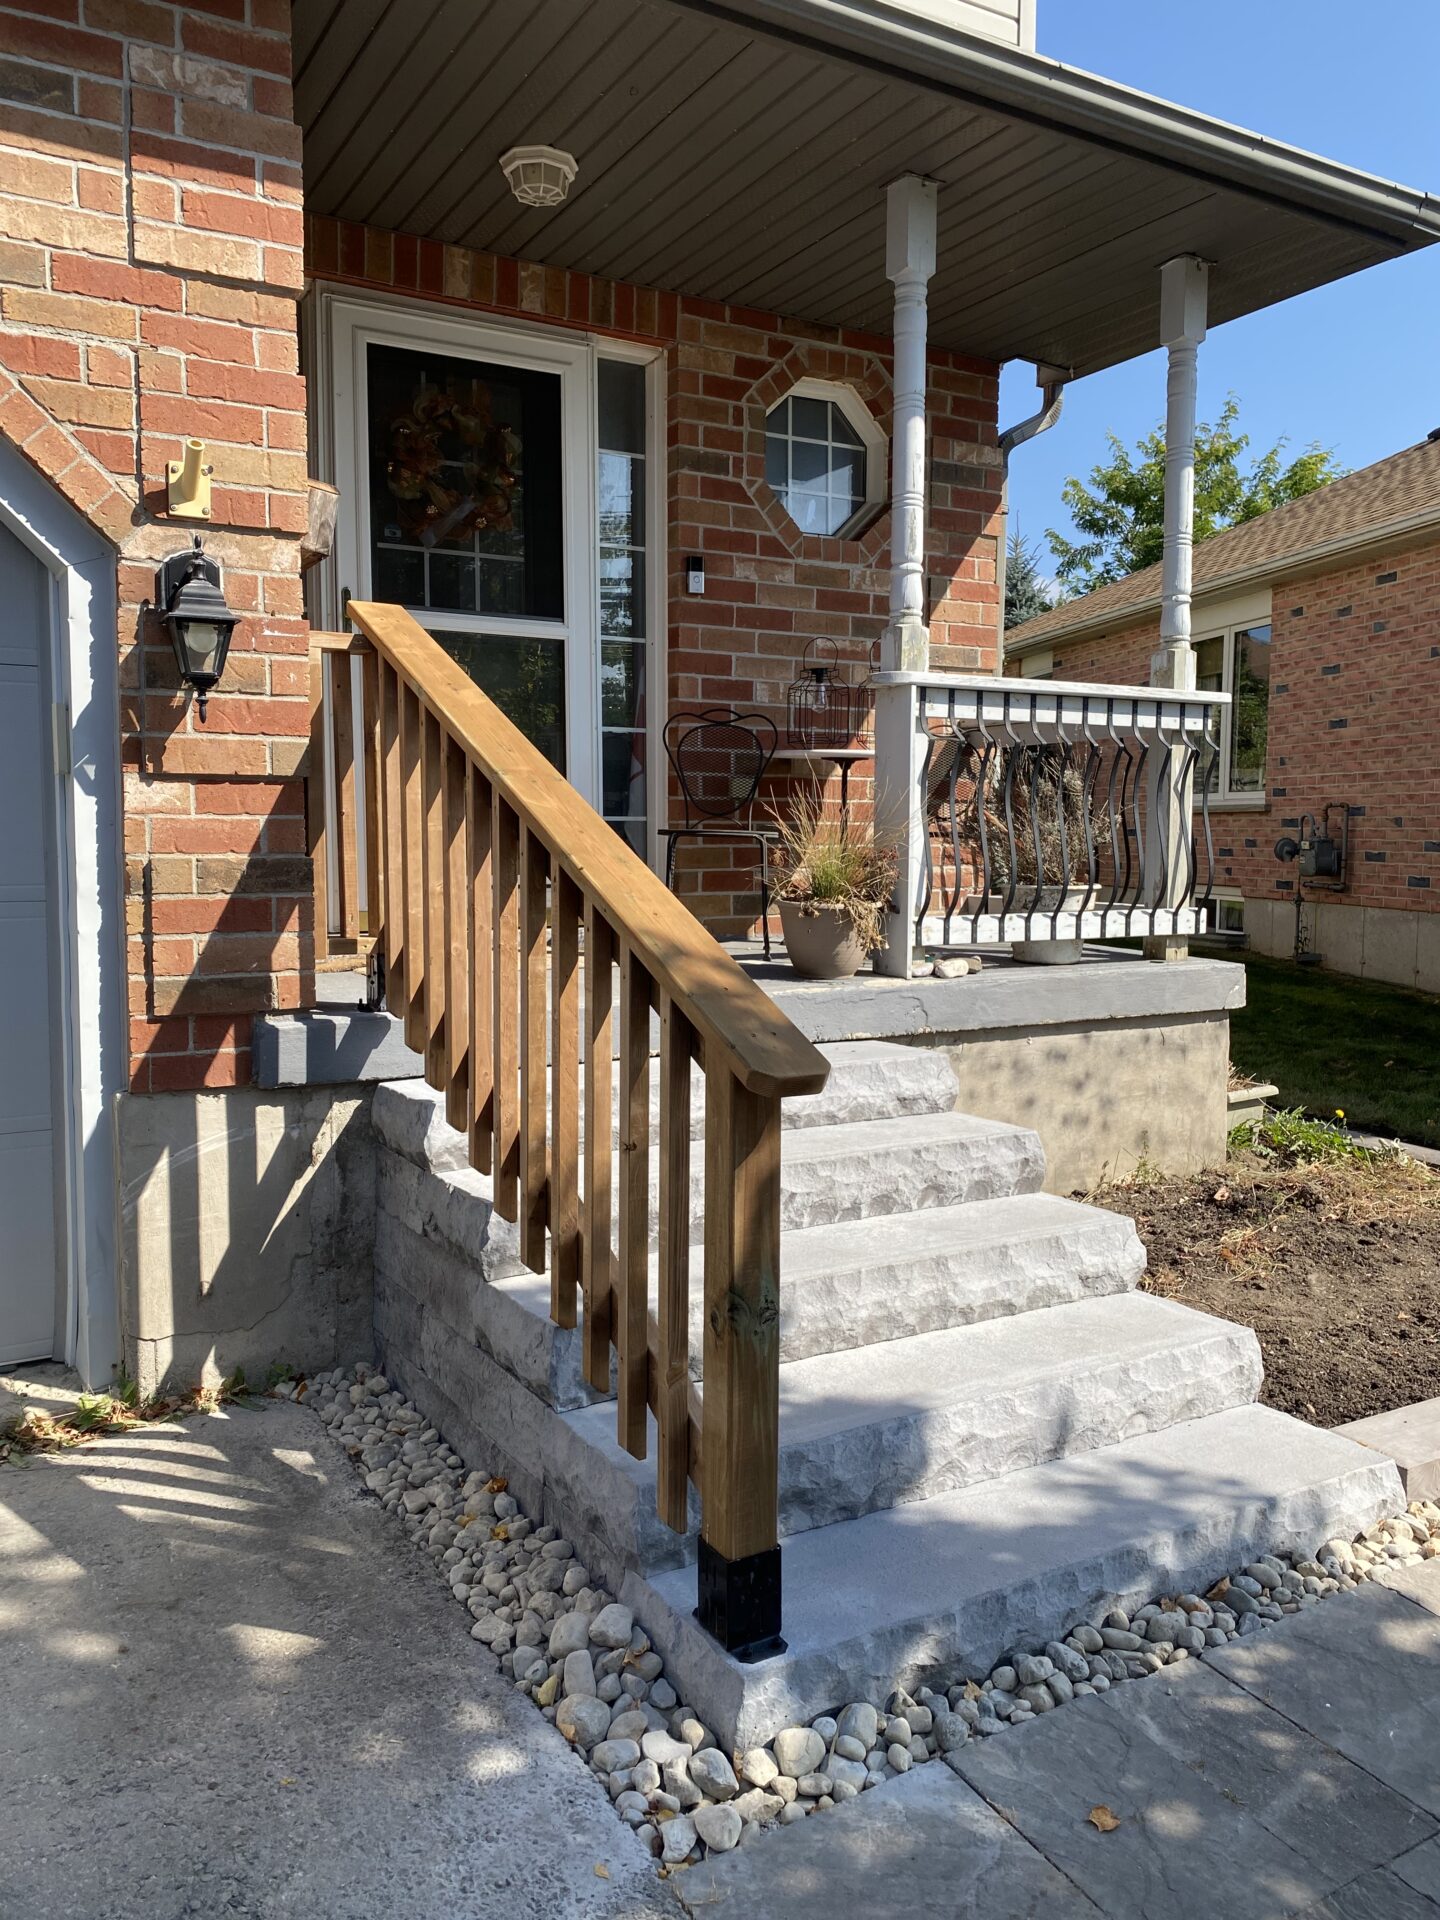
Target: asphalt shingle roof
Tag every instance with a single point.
(1402, 489)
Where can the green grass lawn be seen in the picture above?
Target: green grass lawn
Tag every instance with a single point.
(1327, 1041)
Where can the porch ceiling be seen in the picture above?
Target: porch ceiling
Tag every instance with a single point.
(739, 153)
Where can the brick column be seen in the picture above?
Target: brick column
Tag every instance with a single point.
(150, 260)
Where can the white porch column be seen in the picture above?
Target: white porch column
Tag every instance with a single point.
(909, 263)
(899, 819)
(1184, 284)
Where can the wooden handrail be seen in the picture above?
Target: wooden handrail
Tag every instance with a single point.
(765, 1052)
(526, 948)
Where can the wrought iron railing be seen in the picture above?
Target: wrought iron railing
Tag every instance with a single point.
(1051, 811)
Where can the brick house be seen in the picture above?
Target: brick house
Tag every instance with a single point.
(639, 344)
(1322, 618)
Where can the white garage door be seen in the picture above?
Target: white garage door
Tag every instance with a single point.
(29, 1005)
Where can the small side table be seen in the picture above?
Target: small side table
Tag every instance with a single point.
(821, 757)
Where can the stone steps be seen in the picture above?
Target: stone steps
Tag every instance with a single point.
(985, 1434)
(949, 1584)
(891, 1424)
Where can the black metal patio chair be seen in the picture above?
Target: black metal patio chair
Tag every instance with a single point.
(720, 757)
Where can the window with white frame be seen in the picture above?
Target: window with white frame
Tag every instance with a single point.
(1237, 662)
(825, 458)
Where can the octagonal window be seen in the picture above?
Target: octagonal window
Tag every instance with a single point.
(825, 458)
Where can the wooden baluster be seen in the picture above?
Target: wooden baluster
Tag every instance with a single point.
(370, 772)
(739, 1573)
(505, 1051)
(672, 1413)
(391, 786)
(534, 872)
(478, 805)
(597, 1270)
(632, 1279)
(315, 804)
(458, 916)
(565, 909)
(342, 720)
(432, 761)
(412, 867)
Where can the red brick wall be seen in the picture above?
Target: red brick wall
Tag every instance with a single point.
(769, 588)
(150, 258)
(1354, 719)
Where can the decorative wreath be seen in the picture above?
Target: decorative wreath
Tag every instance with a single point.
(452, 468)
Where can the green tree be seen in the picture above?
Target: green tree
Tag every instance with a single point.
(1120, 514)
(1027, 592)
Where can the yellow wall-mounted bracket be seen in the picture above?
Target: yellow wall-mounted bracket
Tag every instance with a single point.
(188, 483)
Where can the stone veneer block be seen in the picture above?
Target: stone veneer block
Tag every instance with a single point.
(330, 1048)
(1411, 1437)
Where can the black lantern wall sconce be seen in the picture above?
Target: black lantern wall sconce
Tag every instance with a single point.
(192, 607)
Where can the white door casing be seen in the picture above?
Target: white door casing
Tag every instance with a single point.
(32, 1224)
(78, 755)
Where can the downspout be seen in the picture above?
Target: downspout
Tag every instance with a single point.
(1051, 382)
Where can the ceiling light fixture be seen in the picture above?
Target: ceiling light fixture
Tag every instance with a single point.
(539, 176)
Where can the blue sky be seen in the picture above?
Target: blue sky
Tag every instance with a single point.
(1355, 365)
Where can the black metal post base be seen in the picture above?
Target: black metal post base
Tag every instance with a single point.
(740, 1602)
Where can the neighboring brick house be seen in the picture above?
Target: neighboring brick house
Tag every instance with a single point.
(168, 272)
(1322, 619)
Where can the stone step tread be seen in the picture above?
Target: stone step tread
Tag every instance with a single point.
(869, 1080)
(971, 1234)
(941, 1267)
(954, 1368)
(954, 1581)
(892, 1424)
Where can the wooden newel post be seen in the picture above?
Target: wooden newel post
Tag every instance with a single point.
(739, 1572)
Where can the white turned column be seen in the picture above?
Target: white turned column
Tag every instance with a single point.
(1184, 286)
(900, 744)
(909, 263)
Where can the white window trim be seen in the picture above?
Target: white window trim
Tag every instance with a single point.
(332, 317)
(841, 394)
(1223, 799)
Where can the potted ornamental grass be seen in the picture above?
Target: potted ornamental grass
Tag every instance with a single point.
(834, 882)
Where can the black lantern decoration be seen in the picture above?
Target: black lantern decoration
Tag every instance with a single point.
(823, 710)
(199, 622)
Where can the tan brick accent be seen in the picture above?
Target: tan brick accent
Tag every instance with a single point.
(150, 254)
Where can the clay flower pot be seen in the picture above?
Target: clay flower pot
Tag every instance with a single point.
(820, 940)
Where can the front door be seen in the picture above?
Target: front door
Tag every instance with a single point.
(30, 1162)
(494, 483)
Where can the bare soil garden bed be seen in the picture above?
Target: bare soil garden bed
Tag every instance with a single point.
(1335, 1264)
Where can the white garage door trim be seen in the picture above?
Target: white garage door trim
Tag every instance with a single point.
(92, 991)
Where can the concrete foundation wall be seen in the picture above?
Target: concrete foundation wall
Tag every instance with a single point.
(248, 1230)
(1105, 1097)
(1372, 943)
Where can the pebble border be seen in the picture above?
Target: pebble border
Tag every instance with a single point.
(588, 1666)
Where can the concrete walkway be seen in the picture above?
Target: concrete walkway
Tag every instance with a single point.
(228, 1686)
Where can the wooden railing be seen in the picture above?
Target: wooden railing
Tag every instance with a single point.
(501, 902)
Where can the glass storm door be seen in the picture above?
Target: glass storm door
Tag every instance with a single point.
(502, 493)
(466, 524)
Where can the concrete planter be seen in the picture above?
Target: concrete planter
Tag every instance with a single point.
(820, 941)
